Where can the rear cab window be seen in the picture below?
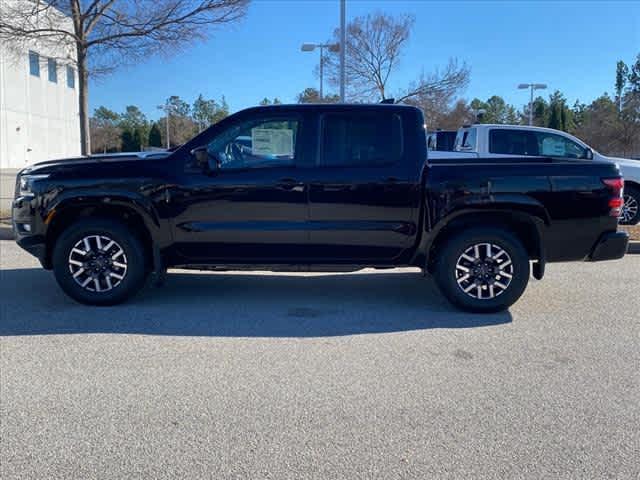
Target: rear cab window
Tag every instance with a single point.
(468, 140)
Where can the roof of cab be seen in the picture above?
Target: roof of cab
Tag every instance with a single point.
(329, 106)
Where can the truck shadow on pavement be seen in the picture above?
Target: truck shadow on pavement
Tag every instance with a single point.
(239, 305)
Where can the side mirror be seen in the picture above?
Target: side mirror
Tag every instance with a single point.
(589, 154)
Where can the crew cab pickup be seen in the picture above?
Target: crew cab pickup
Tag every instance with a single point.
(317, 187)
(487, 140)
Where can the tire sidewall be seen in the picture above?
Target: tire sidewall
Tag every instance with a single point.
(456, 245)
(136, 267)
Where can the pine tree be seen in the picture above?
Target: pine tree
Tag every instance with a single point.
(555, 119)
(155, 137)
(129, 142)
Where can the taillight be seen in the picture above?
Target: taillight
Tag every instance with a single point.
(616, 185)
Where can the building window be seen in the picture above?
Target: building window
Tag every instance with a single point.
(34, 64)
(53, 70)
(71, 77)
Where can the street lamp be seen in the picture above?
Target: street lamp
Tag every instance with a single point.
(166, 108)
(532, 86)
(310, 47)
(343, 42)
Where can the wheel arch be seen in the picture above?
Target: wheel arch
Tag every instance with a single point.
(66, 214)
(529, 229)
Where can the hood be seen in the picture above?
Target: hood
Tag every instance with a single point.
(72, 163)
(624, 161)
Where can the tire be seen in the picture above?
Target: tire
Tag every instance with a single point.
(490, 274)
(114, 271)
(631, 209)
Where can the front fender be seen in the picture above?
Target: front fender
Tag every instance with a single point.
(141, 205)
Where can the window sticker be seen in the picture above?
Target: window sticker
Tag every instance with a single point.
(272, 141)
(554, 147)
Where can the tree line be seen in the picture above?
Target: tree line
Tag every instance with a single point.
(131, 131)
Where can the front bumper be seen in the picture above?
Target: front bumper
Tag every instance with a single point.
(27, 230)
(610, 246)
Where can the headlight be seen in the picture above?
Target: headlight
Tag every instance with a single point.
(26, 183)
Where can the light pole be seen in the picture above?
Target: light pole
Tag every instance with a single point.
(166, 109)
(343, 43)
(310, 47)
(532, 86)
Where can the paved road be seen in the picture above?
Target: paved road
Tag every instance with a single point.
(320, 376)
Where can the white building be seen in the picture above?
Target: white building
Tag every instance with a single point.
(38, 103)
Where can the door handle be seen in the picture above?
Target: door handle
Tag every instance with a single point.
(288, 183)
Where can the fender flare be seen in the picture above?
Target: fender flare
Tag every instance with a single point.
(518, 212)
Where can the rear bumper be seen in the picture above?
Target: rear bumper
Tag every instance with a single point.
(610, 246)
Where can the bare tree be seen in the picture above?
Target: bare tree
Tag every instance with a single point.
(443, 85)
(373, 52)
(104, 34)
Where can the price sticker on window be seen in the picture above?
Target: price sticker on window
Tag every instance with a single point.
(272, 141)
(554, 147)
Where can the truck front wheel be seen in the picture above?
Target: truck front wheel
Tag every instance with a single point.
(482, 269)
(99, 262)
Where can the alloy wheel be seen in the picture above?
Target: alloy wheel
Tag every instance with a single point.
(97, 263)
(484, 271)
(629, 209)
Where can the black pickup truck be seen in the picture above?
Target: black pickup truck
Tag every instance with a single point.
(317, 187)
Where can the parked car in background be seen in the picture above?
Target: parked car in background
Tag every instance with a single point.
(441, 140)
(495, 141)
(318, 187)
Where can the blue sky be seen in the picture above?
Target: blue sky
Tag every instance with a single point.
(572, 46)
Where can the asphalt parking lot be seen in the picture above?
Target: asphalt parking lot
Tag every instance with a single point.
(367, 375)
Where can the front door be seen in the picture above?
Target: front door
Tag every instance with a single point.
(245, 202)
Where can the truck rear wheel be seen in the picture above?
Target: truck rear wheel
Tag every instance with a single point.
(482, 269)
(631, 208)
(99, 262)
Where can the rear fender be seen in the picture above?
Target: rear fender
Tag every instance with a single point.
(513, 212)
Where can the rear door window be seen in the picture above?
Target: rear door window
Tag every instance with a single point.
(361, 140)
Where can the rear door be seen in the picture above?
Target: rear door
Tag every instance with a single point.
(362, 197)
